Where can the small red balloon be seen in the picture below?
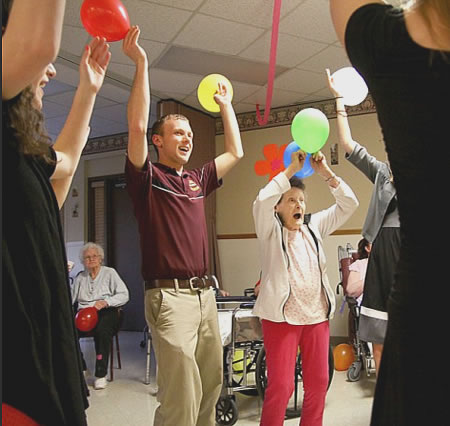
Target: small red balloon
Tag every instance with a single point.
(86, 319)
(105, 18)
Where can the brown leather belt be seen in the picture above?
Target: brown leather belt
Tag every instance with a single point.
(194, 283)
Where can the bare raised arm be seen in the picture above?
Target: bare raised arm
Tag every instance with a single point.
(72, 139)
(30, 42)
(139, 101)
(233, 144)
(344, 134)
(341, 10)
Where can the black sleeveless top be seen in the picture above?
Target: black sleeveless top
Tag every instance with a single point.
(410, 86)
(42, 374)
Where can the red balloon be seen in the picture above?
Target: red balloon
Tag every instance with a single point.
(86, 319)
(344, 356)
(105, 18)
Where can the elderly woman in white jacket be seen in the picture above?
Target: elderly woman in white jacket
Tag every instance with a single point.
(295, 301)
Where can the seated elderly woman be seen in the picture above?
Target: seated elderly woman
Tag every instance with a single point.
(101, 287)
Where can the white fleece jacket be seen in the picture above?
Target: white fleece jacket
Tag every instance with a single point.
(274, 289)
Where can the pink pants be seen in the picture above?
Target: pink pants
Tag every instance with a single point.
(281, 341)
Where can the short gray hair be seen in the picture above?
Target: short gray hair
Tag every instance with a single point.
(89, 246)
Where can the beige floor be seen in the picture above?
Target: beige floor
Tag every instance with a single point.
(127, 401)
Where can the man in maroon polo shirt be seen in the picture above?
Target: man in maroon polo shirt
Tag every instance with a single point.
(168, 202)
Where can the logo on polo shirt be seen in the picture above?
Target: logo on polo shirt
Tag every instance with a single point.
(193, 185)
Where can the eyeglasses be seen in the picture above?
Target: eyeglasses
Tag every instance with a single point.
(93, 257)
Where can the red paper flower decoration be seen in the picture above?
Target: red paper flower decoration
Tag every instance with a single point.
(273, 164)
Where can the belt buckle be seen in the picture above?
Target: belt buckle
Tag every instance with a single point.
(196, 279)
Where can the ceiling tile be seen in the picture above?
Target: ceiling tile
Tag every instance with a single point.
(242, 107)
(311, 20)
(107, 129)
(305, 82)
(101, 126)
(54, 86)
(331, 57)
(51, 109)
(66, 99)
(173, 81)
(74, 39)
(243, 11)
(314, 98)
(279, 98)
(72, 13)
(117, 113)
(193, 102)
(63, 99)
(158, 23)
(242, 90)
(182, 4)
(55, 125)
(101, 102)
(124, 72)
(114, 93)
(291, 50)
(67, 74)
(200, 62)
(152, 48)
(209, 33)
(102, 121)
(323, 94)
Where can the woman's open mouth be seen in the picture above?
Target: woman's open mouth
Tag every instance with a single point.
(297, 216)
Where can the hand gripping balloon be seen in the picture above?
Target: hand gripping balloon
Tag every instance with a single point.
(208, 87)
(306, 170)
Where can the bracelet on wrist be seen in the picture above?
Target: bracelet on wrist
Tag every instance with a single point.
(342, 112)
(330, 178)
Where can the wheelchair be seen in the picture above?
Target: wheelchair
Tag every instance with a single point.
(363, 351)
(241, 334)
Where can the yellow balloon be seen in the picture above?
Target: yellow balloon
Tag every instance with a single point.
(208, 88)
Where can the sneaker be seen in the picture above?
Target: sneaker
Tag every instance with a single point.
(100, 383)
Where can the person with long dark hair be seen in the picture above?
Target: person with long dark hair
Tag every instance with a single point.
(42, 374)
(404, 56)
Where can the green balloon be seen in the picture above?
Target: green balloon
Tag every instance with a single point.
(310, 129)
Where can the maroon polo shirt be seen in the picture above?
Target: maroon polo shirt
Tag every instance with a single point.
(170, 211)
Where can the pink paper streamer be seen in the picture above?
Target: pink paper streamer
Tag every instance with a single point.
(272, 62)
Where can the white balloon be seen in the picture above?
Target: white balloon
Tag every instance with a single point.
(350, 85)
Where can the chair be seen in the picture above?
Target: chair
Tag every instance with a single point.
(363, 352)
(115, 338)
(111, 354)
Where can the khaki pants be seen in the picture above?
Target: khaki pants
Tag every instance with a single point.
(188, 349)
